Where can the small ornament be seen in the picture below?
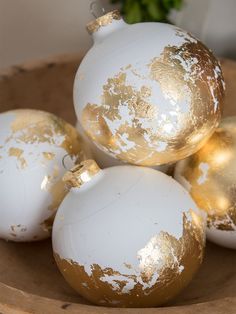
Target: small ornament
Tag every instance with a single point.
(32, 146)
(120, 240)
(209, 176)
(147, 94)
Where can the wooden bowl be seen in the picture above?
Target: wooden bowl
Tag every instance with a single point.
(29, 279)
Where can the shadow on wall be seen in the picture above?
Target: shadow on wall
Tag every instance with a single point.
(36, 29)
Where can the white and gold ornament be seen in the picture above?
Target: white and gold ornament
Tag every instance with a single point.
(149, 93)
(209, 176)
(32, 146)
(120, 240)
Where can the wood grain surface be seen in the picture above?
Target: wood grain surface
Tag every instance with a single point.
(29, 279)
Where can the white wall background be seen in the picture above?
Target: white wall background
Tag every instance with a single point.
(31, 29)
(213, 21)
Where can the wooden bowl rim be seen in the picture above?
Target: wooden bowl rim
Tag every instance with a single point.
(10, 297)
(36, 64)
(33, 301)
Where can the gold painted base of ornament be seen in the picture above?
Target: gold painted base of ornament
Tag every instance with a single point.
(29, 279)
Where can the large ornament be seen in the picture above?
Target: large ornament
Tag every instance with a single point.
(209, 176)
(32, 147)
(120, 240)
(149, 93)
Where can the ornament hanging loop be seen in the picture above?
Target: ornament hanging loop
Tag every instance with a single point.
(67, 168)
(95, 7)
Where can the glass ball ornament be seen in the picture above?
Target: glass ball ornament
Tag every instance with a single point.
(149, 93)
(120, 240)
(209, 176)
(32, 147)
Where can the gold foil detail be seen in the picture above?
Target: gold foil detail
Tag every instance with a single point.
(104, 20)
(81, 174)
(49, 156)
(16, 152)
(56, 187)
(166, 266)
(47, 224)
(33, 127)
(130, 127)
(210, 176)
(18, 228)
(58, 192)
(128, 266)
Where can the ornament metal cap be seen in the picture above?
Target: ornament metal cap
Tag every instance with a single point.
(104, 20)
(81, 173)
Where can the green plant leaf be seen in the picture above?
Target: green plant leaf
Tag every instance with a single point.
(172, 4)
(147, 10)
(154, 10)
(133, 11)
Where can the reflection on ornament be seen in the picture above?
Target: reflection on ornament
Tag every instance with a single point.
(221, 158)
(116, 246)
(209, 177)
(32, 146)
(157, 93)
(105, 161)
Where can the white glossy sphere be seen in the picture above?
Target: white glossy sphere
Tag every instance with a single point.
(113, 220)
(32, 146)
(148, 94)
